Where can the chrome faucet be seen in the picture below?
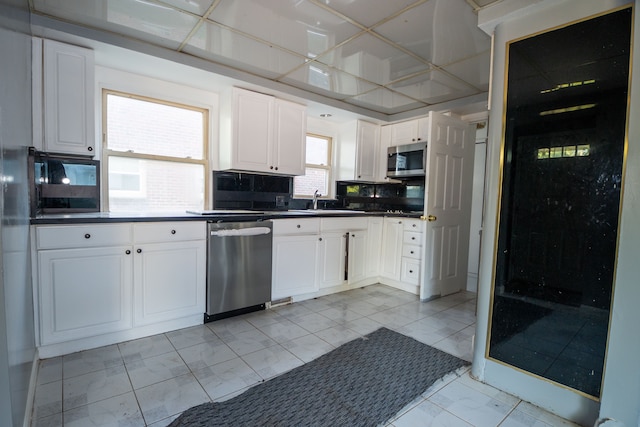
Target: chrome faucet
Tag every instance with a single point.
(315, 199)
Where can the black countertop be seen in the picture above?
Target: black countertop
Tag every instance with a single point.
(227, 216)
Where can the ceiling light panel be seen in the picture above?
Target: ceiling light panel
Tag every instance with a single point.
(440, 31)
(433, 87)
(367, 12)
(385, 100)
(152, 22)
(296, 25)
(198, 7)
(474, 71)
(324, 80)
(227, 47)
(372, 59)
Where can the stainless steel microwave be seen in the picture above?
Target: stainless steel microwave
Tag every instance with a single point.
(407, 161)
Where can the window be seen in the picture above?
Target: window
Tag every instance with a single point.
(318, 168)
(155, 154)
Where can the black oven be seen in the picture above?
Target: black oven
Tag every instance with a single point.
(406, 161)
(63, 184)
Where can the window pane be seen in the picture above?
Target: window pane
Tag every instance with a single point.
(150, 185)
(317, 151)
(314, 179)
(153, 128)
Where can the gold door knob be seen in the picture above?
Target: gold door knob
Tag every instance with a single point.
(431, 218)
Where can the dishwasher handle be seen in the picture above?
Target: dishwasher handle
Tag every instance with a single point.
(241, 232)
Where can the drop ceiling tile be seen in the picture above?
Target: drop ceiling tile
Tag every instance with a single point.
(199, 7)
(386, 101)
(297, 25)
(224, 46)
(152, 22)
(372, 59)
(319, 78)
(433, 87)
(367, 12)
(440, 31)
(474, 71)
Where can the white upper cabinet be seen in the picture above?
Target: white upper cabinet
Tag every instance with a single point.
(267, 135)
(385, 143)
(63, 97)
(410, 132)
(359, 152)
(289, 151)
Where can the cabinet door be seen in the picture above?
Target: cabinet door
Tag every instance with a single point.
(290, 129)
(84, 292)
(392, 248)
(385, 143)
(422, 129)
(294, 266)
(374, 243)
(404, 132)
(169, 281)
(358, 252)
(68, 99)
(331, 259)
(252, 131)
(368, 143)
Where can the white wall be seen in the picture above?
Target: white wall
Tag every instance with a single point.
(621, 388)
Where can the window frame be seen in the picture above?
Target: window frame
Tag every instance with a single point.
(328, 167)
(106, 152)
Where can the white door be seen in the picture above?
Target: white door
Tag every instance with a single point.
(447, 205)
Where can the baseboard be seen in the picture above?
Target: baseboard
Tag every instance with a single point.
(67, 347)
(31, 394)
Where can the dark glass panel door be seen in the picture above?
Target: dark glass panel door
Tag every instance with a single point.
(563, 159)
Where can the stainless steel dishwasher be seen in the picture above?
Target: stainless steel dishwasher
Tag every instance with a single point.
(238, 268)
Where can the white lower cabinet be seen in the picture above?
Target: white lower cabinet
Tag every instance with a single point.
(391, 248)
(331, 259)
(402, 252)
(357, 268)
(169, 281)
(95, 279)
(84, 292)
(294, 266)
(374, 246)
(295, 253)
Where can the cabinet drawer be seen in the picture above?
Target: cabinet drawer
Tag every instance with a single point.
(296, 226)
(412, 238)
(411, 251)
(340, 224)
(158, 232)
(410, 271)
(82, 236)
(413, 225)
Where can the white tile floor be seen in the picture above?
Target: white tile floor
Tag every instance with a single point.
(150, 381)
